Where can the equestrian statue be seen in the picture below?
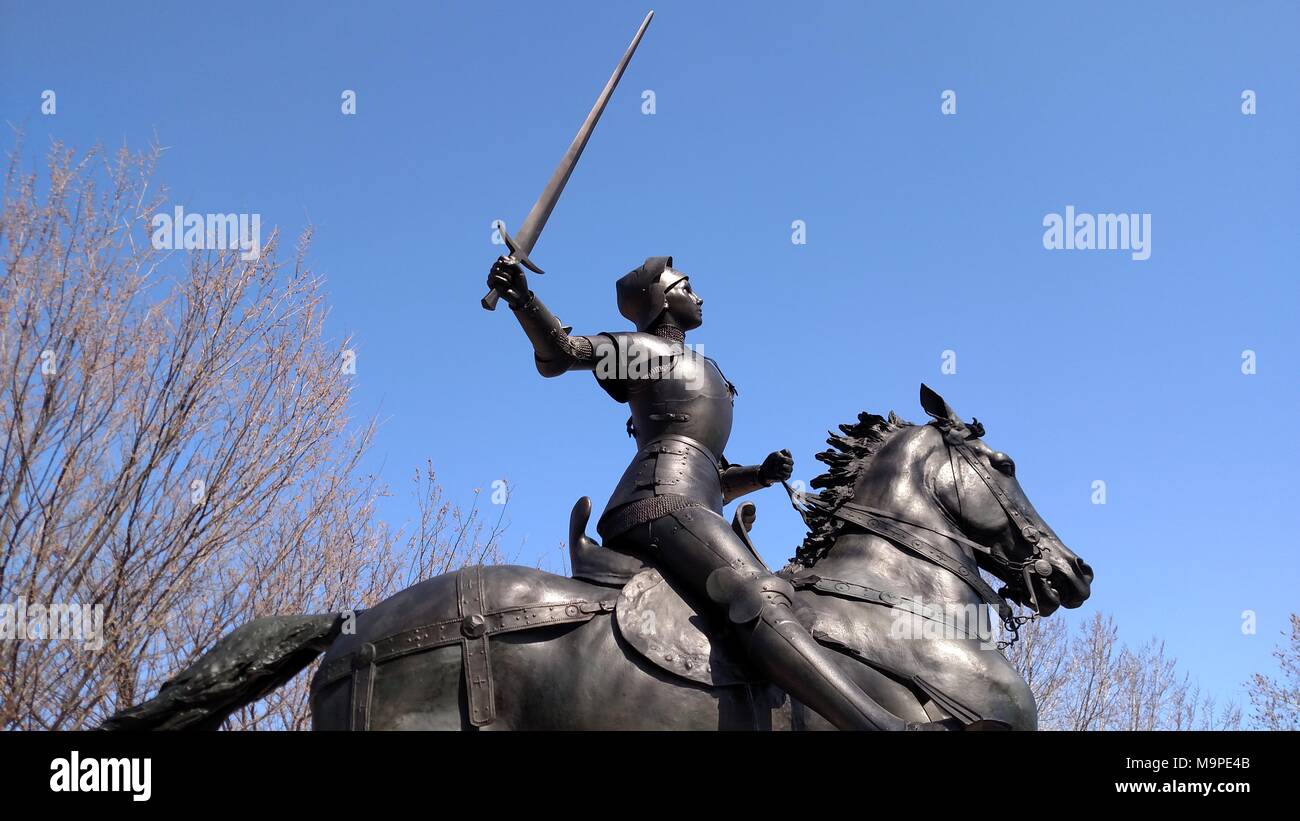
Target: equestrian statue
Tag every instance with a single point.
(881, 621)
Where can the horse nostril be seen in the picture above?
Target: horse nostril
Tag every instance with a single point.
(1084, 569)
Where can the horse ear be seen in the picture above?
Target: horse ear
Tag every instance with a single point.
(933, 404)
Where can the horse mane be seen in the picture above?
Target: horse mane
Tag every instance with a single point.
(854, 449)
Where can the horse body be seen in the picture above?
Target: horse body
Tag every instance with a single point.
(578, 677)
(586, 677)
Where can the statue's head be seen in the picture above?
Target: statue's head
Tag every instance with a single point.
(656, 291)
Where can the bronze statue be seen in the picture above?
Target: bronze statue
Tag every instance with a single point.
(879, 622)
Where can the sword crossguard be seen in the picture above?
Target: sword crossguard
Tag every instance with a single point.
(517, 257)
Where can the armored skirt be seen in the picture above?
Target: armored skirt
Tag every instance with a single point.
(669, 473)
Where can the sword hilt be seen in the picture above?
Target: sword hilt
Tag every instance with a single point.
(517, 257)
(489, 302)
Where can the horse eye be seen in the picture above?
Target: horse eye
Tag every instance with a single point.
(1005, 465)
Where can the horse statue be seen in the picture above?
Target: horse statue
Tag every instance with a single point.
(888, 580)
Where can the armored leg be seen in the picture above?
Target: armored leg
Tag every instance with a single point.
(696, 543)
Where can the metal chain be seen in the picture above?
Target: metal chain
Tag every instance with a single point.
(1013, 624)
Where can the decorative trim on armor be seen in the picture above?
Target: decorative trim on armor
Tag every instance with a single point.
(617, 522)
(573, 348)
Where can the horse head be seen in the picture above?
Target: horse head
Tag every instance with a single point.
(980, 494)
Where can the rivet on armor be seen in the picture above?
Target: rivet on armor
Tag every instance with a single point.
(474, 626)
(364, 656)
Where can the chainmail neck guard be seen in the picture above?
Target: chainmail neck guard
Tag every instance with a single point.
(669, 332)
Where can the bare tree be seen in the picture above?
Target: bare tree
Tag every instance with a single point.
(445, 536)
(1087, 679)
(1276, 702)
(175, 445)
(1040, 656)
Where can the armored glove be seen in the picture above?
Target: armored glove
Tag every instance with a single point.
(777, 467)
(510, 282)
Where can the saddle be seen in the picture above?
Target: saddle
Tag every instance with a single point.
(657, 617)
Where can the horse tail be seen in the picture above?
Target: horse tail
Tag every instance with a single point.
(244, 666)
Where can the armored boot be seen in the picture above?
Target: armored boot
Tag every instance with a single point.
(698, 546)
(759, 604)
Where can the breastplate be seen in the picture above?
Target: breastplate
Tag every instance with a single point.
(687, 396)
(681, 417)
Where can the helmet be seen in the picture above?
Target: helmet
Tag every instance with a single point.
(641, 292)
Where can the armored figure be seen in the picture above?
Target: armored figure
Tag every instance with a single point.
(668, 504)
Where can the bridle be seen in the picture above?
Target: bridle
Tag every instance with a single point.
(955, 439)
(895, 529)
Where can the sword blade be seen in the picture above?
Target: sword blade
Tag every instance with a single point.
(532, 226)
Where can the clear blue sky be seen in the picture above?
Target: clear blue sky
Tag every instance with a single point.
(924, 234)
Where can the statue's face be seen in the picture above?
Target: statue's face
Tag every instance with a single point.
(685, 307)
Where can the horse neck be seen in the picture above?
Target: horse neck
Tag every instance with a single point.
(865, 558)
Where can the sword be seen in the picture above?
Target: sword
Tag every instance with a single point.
(521, 244)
